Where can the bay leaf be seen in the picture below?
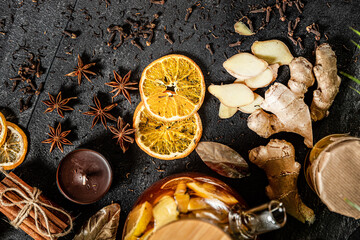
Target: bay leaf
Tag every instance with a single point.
(103, 225)
(223, 159)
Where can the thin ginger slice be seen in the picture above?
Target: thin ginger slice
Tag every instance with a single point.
(252, 107)
(232, 95)
(272, 51)
(244, 65)
(226, 112)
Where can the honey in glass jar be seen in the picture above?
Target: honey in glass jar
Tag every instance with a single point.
(195, 206)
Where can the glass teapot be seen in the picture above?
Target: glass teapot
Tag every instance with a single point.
(198, 207)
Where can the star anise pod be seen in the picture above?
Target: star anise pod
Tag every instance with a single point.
(122, 132)
(81, 70)
(99, 112)
(58, 104)
(122, 85)
(57, 138)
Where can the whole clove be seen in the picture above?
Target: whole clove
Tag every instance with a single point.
(15, 83)
(38, 68)
(160, 2)
(111, 39)
(268, 12)
(21, 105)
(235, 44)
(299, 5)
(284, 4)
(290, 29)
(133, 42)
(27, 102)
(292, 40)
(297, 20)
(299, 41)
(209, 48)
(167, 37)
(39, 89)
(188, 13)
(148, 41)
(259, 10)
(70, 34)
(314, 29)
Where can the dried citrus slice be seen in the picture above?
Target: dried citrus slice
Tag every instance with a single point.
(13, 151)
(3, 129)
(138, 220)
(172, 87)
(166, 140)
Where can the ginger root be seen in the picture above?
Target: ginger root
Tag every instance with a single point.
(277, 159)
(301, 76)
(291, 115)
(328, 81)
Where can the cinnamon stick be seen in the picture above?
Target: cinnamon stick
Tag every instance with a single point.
(64, 220)
(28, 225)
(12, 197)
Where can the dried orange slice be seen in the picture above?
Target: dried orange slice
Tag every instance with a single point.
(3, 129)
(172, 87)
(13, 151)
(166, 140)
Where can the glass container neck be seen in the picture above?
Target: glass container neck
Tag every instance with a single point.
(247, 224)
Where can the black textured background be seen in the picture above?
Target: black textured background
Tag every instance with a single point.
(39, 26)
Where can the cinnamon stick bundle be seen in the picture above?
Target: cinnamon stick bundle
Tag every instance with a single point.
(55, 222)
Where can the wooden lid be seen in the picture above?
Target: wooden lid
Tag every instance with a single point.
(190, 229)
(336, 176)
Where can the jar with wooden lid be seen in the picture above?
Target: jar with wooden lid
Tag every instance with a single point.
(332, 170)
(193, 206)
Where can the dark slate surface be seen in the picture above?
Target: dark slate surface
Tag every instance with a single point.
(39, 26)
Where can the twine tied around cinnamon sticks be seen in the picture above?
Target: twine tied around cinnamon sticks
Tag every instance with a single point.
(32, 202)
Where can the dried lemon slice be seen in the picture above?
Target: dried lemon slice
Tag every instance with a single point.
(13, 151)
(138, 220)
(172, 87)
(3, 129)
(166, 140)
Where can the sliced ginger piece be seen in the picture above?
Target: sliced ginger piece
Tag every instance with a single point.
(277, 159)
(290, 114)
(272, 51)
(252, 107)
(232, 95)
(209, 191)
(242, 29)
(138, 220)
(165, 211)
(226, 112)
(181, 197)
(244, 65)
(261, 80)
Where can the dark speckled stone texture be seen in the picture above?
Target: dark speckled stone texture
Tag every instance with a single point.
(39, 26)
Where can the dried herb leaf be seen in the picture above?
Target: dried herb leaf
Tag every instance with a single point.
(103, 225)
(223, 159)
